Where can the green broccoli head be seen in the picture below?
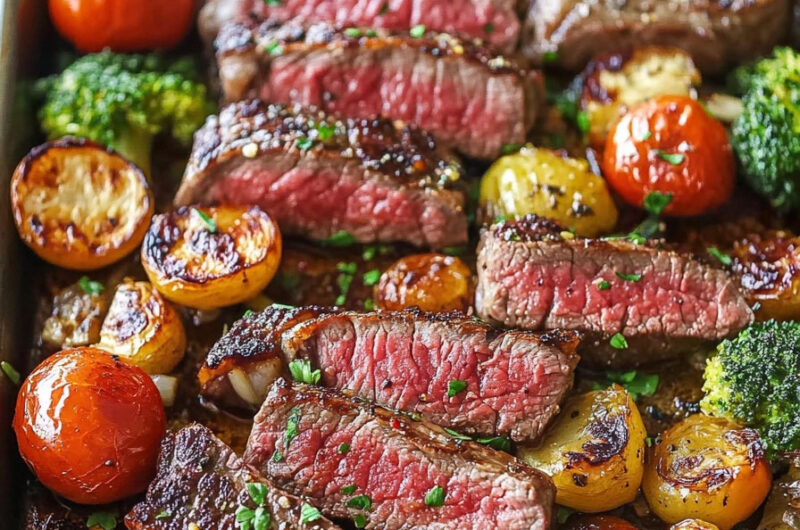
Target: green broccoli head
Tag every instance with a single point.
(755, 379)
(766, 137)
(123, 101)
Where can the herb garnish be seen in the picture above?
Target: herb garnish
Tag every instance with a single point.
(722, 257)
(274, 48)
(308, 514)
(347, 272)
(618, 341)
(488, 28)
(603, 286)
(304, 143)
(372, 277)
(672, 158)
(209, 222)
(342, 238)
(349, 490)
(272, 2)
(629, 277)
(454, 251)
(582, 120)
(511, 148)
(301, 371)
(259, 518)
(163, 514)
(646, 135)
(501, 443)
(353, 33)
(369, 304)
(457, 435)
(277, 456)
(359, 520)
(344, 448)
(418, 31)
(635, 382)
(105, 520)
(91, 287)
(247, 313)
(456, 386)
(563, 514)
(550, 56)
(360, 502)
(655, 202)
(435, 496)
(292, 425)
(325, 131)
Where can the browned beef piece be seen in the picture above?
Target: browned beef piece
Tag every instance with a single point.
(453, 370)
(317, 175)
(469, 97)
(200, 480)
(663, 303)
(354, 459)
(494, 21)
(717, 33)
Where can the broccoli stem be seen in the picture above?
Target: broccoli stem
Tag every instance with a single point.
(136, 145)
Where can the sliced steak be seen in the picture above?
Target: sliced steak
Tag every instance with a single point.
(467, 96)
(317, 176)
(662, 302)
(317, 443)
(716, 33)
(451, 369)
(494, 21)
(201, 483)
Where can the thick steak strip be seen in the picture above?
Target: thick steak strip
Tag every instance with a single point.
(716, 33)
(201, 481)
(317, 175)
(494, 21)
(315, 442)
(513, 381)
(664, 303)
(467, 96)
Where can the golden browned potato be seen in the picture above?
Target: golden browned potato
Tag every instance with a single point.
(77, 315)
(615, 82)
(144, 328)
(433, 282)
(693, 524)
(79, 205)
(211, 257)
(706, 468)
(594, 451)
(542, 182)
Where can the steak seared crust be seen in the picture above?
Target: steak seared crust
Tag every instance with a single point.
(716, 33)
(513, 381)
(665, 304)
(494, 21)
(466, 95)
(317, 175)
(315, 442)
(201, 481)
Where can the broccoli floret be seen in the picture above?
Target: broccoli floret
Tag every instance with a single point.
(766, 137)
(124, 101)
(755, 379)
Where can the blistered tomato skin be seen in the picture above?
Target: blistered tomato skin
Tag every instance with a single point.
(90, 426)
(670, 144)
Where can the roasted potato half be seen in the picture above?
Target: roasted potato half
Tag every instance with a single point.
(693, 524)
(615, 82)
(144, 328)
(79, 205)
(542, 182)
(211, 257)
(76, 317)
(594, 451)
(709, 469)
(432, 282)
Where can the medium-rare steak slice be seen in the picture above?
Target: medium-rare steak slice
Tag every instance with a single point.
(664, 303)
(353, 459)
(201, 483)
(467, 96)
(318, 176)
(716, 33)
(494, 21)
(451, 369)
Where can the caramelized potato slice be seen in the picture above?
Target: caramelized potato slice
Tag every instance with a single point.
(144, 328)
(432, 282)
(211, 257)
(76, 318)
(709, 469)
(544, 183)
(79, 205)
(693, 524)
(615, 82)
(594, 451)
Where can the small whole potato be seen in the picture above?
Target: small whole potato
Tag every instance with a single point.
(143, 328)
(432, 282)
(594, 452)
(693, 524)
(709, 469)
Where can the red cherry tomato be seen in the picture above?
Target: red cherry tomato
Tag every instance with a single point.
(671, 145)
(122, 25)
(90, 425)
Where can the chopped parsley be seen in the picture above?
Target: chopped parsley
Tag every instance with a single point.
(325, 131)
(347, 272)
(550, 56)
(10, 372)
(342, 238)
(635, 382)
(104, 520)
(618, 341)
(369, 253)
(563, 514)
(457, 435)
(672, 158)
(501, 443)
(456, 386)
(344, 448)
(301, 371)
(629, 277)
(209, 222)
(272, 2)
(163, 514)
(288, 280)
(308, 514)
(257, 492)
(655, 202)
(247, 313)
(722, 257)
(511, 148)
(274, 48)
(277, 456)
(360, 502)
(454, 251)
(418, 31)
(371, 33)
(646, 136)
(603, 286)
(258, 519)
(91, 287)
(372, 277)
(435, 496)
(349, 490)
(304, 143)
(292, 427)
(353, 33)
(359, 520)
(488, 28)
(582, 120)
(369, 304)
